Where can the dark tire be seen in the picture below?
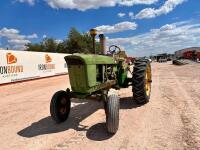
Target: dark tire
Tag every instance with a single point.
(142, 81)
(105, 106)
(60, 106)
(112, 113)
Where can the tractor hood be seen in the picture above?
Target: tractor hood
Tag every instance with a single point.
(88, 59)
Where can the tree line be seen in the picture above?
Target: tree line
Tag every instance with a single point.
(75, 42)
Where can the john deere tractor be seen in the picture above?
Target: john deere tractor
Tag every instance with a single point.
(93, 75)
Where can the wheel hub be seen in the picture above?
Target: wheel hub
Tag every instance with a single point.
(148, 81)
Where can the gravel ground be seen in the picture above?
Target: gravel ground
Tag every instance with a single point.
(171, 120)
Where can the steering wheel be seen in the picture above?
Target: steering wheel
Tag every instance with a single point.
(114, 49)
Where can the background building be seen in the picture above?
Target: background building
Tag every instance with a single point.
(187, 52)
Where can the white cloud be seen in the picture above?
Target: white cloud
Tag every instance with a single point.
(119, 27)
(18, 41)
(33, 36)
(135, 2)
(58, 41)
(15, 39)
(44, 36)
(121, 15)
(131, 15)
(30, 2)
(168, 6)
(94, 4)
(168, 27)
(80, 4)
(168, 38)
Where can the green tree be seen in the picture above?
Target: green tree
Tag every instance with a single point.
(49, 45)
(74, 43)
(61, 48)
(34, 47)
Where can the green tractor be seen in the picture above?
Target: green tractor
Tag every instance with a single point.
(93, 75)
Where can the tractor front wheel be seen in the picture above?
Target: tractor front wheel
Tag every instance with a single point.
(112, 113)
(60, 106)
(142, 81)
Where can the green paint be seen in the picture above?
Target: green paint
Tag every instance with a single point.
(122, 73)
(92, 59)
(82, 72)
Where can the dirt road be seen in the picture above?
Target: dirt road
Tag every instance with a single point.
(171, 120)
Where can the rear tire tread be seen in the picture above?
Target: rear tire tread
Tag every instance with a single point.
(139, 81)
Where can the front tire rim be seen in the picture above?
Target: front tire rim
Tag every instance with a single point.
(62, 106)
(148, 81)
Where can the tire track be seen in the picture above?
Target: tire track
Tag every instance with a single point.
(189, 114)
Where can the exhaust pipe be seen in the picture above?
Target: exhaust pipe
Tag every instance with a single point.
(102, 44)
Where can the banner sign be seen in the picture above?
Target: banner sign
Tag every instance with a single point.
(23, 65)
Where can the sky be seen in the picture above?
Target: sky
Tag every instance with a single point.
(140, 27)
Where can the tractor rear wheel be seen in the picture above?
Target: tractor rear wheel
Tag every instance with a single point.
(60, 106)
(112, 113)
(142, 79)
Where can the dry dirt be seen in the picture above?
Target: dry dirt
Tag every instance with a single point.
(171, 120)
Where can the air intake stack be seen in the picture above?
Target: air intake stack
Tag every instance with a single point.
(93, 33)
